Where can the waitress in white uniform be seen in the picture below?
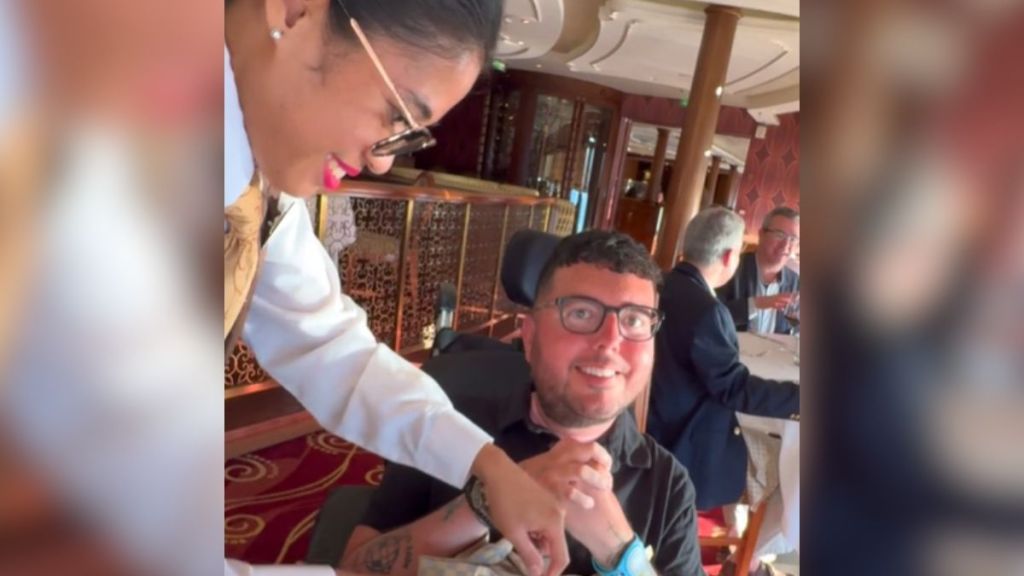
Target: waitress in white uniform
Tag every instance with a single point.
(317, 90)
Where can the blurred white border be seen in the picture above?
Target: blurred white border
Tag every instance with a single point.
(12, 65)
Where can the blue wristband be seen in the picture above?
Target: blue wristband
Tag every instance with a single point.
(632, 562)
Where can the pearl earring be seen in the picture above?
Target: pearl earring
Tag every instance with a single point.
(276, 34)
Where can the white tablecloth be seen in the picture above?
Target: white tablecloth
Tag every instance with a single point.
(773, 356)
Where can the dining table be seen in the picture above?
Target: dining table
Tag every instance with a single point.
(776, 356)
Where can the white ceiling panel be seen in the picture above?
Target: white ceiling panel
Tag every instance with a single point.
(530, 28)
(650, 47)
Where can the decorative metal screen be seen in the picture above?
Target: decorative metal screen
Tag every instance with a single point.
(408, 241)
(480, 268)
(370, 267)
(432, 258)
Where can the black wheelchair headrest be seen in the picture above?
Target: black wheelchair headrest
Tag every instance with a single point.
(525, 255)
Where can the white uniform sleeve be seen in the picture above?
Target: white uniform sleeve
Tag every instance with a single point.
(315, 341)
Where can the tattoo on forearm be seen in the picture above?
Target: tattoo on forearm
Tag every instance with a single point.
(380, 555)
(408, 555)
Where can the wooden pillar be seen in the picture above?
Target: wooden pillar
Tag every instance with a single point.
(606, 196)
(658, 170)
(569, 179)
(711, 182)
(687, 184)
(617, 160)
(728, 188)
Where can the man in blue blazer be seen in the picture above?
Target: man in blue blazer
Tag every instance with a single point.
(763, 286)
(699, 382)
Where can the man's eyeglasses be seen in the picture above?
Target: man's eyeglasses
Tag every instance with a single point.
(781, 235)
(583, 315)
(415, 137)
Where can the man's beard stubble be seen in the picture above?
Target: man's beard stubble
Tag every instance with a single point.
(557, 408)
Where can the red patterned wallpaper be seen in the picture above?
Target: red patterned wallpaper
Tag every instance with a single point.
(772, 174)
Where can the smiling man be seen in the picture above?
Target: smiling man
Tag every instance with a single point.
(589, 345)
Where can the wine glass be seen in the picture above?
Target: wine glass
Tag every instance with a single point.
(792, 314)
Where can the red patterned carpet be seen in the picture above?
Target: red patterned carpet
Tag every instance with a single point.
(272, 496)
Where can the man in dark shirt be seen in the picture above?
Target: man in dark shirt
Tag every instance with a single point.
(589, 346)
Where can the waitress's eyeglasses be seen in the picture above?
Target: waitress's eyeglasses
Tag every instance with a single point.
(415, 137)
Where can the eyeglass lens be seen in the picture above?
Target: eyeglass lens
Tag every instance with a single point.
(585, 316)
(405, 142)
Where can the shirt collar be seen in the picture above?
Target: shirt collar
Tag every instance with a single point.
(693, 272)
(757, 274)
(623, 440)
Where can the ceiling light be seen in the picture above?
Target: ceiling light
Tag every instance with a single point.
(526, 20)
(508, 19)
(718, 91)
(538, 65)
(520, 43)
(707, 153)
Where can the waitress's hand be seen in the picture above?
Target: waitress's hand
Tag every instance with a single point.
(524, 512)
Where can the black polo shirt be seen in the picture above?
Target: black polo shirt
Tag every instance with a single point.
(654, 489)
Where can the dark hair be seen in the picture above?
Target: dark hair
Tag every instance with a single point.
(442, 27)
(782, 212)
(605, 249)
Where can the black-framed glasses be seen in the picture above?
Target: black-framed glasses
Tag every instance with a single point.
(584, 315)
(415, 137)
(782, 235)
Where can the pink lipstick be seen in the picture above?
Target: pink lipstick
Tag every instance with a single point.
(335, 169)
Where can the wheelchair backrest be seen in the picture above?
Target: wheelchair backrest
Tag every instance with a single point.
(525, 255)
